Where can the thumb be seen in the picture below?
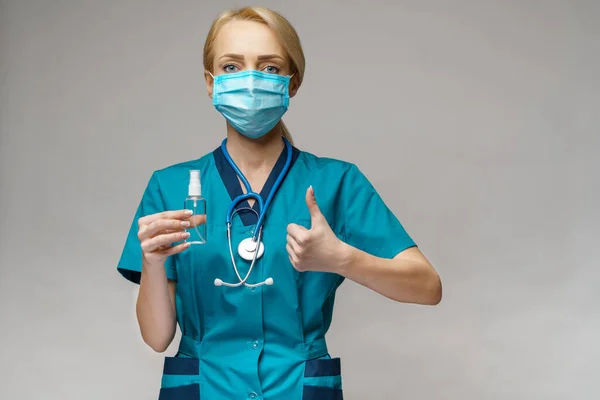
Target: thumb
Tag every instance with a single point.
(311, 202)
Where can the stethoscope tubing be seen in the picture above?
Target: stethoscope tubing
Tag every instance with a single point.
(262, 206)
(262, 210)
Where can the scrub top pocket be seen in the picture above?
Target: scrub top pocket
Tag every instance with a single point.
(181, 379)
(322, 379)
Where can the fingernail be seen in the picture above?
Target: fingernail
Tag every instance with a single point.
(185, 234)
(185, 223)
(188, 212)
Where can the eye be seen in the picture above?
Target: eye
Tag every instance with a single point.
(271, 69)
(229, 68)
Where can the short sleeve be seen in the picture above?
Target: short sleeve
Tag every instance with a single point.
(130, 263)
(369, 224)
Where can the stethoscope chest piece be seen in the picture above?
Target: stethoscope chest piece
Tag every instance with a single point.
(247, 247)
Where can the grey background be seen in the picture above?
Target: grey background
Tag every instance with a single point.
(477, 121)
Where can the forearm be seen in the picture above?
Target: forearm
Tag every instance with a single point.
(155, 309)
(402, 280)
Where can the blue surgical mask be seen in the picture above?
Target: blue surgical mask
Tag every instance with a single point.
(252, 101)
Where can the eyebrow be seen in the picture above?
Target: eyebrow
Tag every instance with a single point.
(260, 58)
(269, 57)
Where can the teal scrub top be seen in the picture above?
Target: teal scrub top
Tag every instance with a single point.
(266, 342)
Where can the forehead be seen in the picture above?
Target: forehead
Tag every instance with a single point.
(247, 38)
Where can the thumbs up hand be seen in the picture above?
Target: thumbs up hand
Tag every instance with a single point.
(317, 248)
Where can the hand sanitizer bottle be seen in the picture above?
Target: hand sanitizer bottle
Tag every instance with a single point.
(197, 204)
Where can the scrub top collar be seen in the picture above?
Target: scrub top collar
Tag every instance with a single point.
(234, 188)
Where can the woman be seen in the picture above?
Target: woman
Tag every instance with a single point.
(266, 341)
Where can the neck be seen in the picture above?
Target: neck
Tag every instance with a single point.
(254, 154)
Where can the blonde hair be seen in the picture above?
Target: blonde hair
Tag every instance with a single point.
(277, 23)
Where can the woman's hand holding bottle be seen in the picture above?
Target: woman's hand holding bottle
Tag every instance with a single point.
(157, 233)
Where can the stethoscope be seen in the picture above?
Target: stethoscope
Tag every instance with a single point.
(251, 248)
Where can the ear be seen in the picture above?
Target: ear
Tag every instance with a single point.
(294, 86)
(209, 83)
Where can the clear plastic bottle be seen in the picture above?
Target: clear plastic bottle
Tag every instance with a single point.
(197, 204)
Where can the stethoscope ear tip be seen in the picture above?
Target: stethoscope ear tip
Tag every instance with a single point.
(218, 282)
(269, 281)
